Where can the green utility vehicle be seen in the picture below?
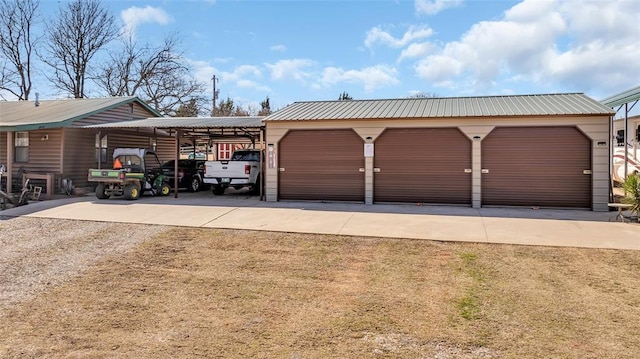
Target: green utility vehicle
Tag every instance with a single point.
(135, 171)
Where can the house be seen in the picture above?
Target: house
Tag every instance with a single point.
(47, 137)
(547, 150)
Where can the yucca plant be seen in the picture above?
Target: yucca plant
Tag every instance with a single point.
(631, 186)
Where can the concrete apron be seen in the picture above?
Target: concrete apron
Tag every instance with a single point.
(523, 226)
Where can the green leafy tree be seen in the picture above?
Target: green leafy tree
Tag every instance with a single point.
(189, 109)
(265, 108)
(224, 108)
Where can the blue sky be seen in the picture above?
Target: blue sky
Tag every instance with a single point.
(314, 50)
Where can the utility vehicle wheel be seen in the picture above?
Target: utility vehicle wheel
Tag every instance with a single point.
(164, 189)
(131, 192)
(218, 190)
(100, 194)
(194, 185)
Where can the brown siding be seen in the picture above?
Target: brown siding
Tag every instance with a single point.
(422, 165)
(45, 156)
(79, 155)
(117, 114)
(3, 148)
(321, 165)
(536, 166)
(119, 140)
(165, 148)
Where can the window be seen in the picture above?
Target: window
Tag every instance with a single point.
(101, 149)
(21, 147)
(224, 151)
(620, 138)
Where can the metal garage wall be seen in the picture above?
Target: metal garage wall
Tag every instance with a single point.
(321, 165)
(536, 166)
(425, 165)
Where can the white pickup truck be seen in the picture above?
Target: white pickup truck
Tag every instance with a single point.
(242, 170)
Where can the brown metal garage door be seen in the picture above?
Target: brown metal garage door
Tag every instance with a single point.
(321, 165)
(536, 166)
(422, 165)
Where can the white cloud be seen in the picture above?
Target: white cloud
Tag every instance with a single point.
(252, 85)
(134, 16)
(432, 7)
(241, 73)
(576, 44)
(371, 78)
(280, 48)
(416, 50)
(378, 35)
(297, 69)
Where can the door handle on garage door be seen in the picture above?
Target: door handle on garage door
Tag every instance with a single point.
(361, 169)
(281, 169)
(376, 169)
(587, 172)
(484, 170)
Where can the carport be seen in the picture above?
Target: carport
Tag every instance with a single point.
(199, 130)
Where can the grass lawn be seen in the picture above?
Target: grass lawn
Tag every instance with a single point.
(204, 293)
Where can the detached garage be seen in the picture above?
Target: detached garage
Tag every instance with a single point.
(528, 150)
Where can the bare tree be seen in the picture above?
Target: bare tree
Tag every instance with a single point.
(81, 29)
(17, 45)
(158, 75)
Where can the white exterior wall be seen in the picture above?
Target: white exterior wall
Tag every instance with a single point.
(476, 129)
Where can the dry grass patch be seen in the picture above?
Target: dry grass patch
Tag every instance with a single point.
(217, 293)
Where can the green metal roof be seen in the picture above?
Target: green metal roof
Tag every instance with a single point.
(26, 115)
(482, 106)
(622, 98)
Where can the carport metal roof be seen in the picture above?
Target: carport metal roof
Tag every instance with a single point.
(196, 127)
(622, 98)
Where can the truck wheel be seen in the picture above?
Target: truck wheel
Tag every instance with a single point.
(194, 185)
(100, 194)
(165, 189)
(131, 192)
(218, 191)
(255, 189)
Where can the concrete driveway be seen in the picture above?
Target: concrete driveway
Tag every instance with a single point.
(566, 228)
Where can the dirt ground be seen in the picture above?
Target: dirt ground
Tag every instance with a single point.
(204, 293)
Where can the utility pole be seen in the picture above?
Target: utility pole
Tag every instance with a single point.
(215, 93)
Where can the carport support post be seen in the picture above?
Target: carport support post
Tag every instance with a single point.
(10, 158)
(175, 163)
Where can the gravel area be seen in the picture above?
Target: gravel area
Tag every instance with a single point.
(39, 252)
